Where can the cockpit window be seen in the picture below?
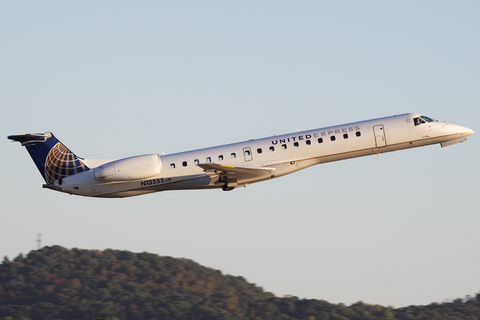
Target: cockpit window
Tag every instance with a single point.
(422, 119)
(418, 121)
(427, 119)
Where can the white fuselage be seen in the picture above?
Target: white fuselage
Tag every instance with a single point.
(243, 163)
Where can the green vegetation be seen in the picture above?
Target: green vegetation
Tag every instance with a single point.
(57, 283)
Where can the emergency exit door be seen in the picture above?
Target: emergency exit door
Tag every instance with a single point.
(247, 153)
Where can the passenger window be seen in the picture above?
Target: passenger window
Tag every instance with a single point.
(196, 161)
(295, 144)
(220, 157)
(247, 152)
(172, 165)
(332, 138)
(233, 155)
(345, 136)
(272, 148)
(284, 146)
(308, 142)
(358, 134)
(259, 150)
(320, 140)
(209, 159)
(184, 163)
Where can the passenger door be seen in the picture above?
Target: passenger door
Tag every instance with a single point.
(379, 133)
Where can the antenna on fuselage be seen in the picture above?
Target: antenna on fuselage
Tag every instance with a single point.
(297, 130)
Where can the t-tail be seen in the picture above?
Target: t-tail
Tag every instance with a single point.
(52, 158)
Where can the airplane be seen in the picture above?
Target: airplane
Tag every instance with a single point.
(233, 165)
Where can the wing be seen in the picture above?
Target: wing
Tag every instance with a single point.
(232, 176)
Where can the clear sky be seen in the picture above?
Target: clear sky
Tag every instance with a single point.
(114, 79)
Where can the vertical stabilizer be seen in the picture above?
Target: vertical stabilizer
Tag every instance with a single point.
(52, 158)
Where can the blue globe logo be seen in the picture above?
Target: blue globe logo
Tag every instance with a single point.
(61, 162)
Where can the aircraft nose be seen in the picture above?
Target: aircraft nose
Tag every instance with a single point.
(456, 129)
(465, 131)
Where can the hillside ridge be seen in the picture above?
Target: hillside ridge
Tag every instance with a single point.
(59, 283)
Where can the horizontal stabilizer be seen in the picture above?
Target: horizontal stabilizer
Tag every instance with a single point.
(30, 137)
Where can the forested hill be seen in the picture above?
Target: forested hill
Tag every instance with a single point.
(57, 283)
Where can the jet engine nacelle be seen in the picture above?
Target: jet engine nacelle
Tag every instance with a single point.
(133, 168)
